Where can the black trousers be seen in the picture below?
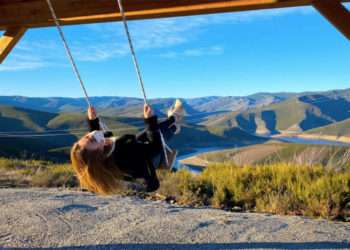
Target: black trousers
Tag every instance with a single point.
(168, 128)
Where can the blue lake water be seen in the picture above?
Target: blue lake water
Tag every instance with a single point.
(198, 151)
(312, 141)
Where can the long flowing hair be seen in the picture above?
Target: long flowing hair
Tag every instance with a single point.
(94, 171)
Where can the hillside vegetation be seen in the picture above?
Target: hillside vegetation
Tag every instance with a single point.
(28, 133)
(35, 173)
(275, 188)
(279, 188)
(210, 121)
(13, 118)
(337, 157)
(337, 129)
(294, 115)
(124, 106)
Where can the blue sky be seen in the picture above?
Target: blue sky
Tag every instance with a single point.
(232, 54)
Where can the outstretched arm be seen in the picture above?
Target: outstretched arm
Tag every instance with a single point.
(154, 146)
(93, 121)
(152, 131)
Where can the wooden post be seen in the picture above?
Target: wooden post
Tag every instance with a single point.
(336, 13)
(9, 40)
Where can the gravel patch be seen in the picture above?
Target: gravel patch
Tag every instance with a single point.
(56, 219)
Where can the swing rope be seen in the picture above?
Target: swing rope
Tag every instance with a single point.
(132, 50)
(68, 51)
(72, 61)
(138, 73)
(133, 54)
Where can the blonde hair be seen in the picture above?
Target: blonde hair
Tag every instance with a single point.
(94, 171)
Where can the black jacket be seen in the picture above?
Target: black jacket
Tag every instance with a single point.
(134, 157)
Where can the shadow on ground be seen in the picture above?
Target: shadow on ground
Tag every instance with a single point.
(209, 246)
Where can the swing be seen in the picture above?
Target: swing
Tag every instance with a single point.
(165, 147)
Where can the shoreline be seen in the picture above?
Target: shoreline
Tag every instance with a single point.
(195, 164)
(321, 139)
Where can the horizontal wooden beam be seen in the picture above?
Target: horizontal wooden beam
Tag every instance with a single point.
(9, 40)
(22, 14)
(35, 13)
(336, 13)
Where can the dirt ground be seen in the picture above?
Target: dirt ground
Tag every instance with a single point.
(61, 219)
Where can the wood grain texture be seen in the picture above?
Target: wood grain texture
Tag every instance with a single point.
(35, 13)
(9, 40)
(336, 14)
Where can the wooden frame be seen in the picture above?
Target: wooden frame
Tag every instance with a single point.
(336, 13)
(17, 15)
(9, 40)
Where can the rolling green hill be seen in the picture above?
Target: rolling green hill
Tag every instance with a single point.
(279, 152)
(28, 133)
(297, 114)
(210, 121)
(336, 129)
(12, 118)
(22, 133)
(125, 106)
(131, 107)
(31, 133)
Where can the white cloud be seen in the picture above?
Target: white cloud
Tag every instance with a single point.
(44, 45)
(196, 52)
(214, 50)
(111, 39)
(22, 62)
(33, 55)
(100, 52)
(106, 41)
(167, 33)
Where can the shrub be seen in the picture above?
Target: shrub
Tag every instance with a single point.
(36, 173)
(182, 185)
(55, 176)
(15, 164)
(275, 188)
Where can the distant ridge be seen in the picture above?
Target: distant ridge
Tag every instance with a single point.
(296, 114)
(210, 121)
(26, 133)
(123, 104)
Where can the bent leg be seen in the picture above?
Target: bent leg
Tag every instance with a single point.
(167, 127)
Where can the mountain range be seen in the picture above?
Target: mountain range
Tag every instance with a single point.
(46, 127)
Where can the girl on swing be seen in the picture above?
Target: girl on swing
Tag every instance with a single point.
(101, 160)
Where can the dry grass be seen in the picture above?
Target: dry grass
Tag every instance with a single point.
(277, 152)
(34, 173)
(280, 188)
(277, 188)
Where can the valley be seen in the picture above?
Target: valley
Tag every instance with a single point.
(45, 128)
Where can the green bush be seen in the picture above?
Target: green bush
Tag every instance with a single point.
(36, 173)
(55, 176)
(277, 188)
(15, 164)
(182, 185)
